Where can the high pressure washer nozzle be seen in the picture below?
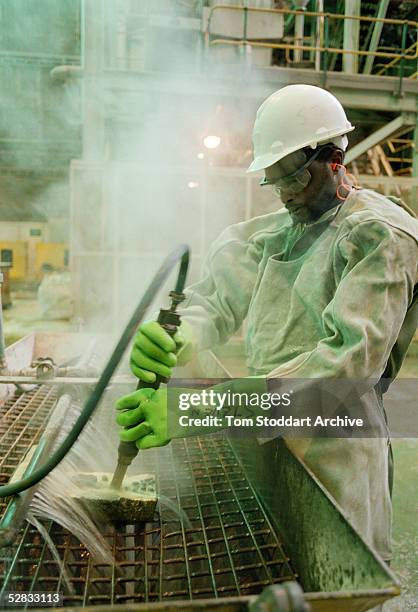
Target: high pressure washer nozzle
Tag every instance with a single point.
(176, 299)
(169, 319)
(127, 451)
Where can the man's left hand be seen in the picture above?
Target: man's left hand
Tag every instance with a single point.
(143, 415)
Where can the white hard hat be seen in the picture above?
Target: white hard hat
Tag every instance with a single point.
(295, 117)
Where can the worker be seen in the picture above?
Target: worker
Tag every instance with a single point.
(327, 286)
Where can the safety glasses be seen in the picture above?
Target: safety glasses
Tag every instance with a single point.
(296, 181)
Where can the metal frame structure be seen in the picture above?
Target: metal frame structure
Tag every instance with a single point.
(381, 135)
(356, 91)
(102, 79)
(377, 31)
(351, 18)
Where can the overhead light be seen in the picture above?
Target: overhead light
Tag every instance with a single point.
(212, 141)
(200, 156)
(192, 184)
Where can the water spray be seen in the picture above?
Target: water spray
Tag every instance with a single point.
(182, 254)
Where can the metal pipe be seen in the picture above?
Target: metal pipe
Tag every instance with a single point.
(413, 24)
(61, 73)
(13, 379)
(37, 56)
(299, 30)
(228, 41)
(93, 135)
(397, 59)
(326, 42)
(377, 31)
(402, 62)
(45, 371)
(351, 36)
(317, 14)
(319, 35)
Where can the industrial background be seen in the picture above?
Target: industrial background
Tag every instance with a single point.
(123, 114)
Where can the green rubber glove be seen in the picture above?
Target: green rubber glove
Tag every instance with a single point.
(144, 417)
(154, 351)
(185, 343)
(143, 414)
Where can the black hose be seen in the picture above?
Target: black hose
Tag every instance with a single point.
(182, 252)
(184, 266)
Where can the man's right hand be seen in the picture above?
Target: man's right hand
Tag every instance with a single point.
(153, 352)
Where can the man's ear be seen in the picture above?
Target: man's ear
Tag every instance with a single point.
(337, 159)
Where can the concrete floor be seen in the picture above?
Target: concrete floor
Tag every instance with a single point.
(24, 317)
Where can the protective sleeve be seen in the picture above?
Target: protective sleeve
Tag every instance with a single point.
(363, 320)
(216, 306)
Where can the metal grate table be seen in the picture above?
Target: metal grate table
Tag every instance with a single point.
(22, 420)
(210, 536)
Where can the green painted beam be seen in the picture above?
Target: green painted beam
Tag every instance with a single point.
(354, 91)
(351, 36)
(377, 31)
(93, 85)
(380, 135)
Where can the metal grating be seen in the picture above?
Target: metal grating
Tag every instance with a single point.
(210, 537)
(22, 420)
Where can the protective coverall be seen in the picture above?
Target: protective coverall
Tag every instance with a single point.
(332, 298)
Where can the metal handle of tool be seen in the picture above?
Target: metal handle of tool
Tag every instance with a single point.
(127, 451)
(182, 254)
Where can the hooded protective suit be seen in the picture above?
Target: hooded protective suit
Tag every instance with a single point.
(329, 299)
